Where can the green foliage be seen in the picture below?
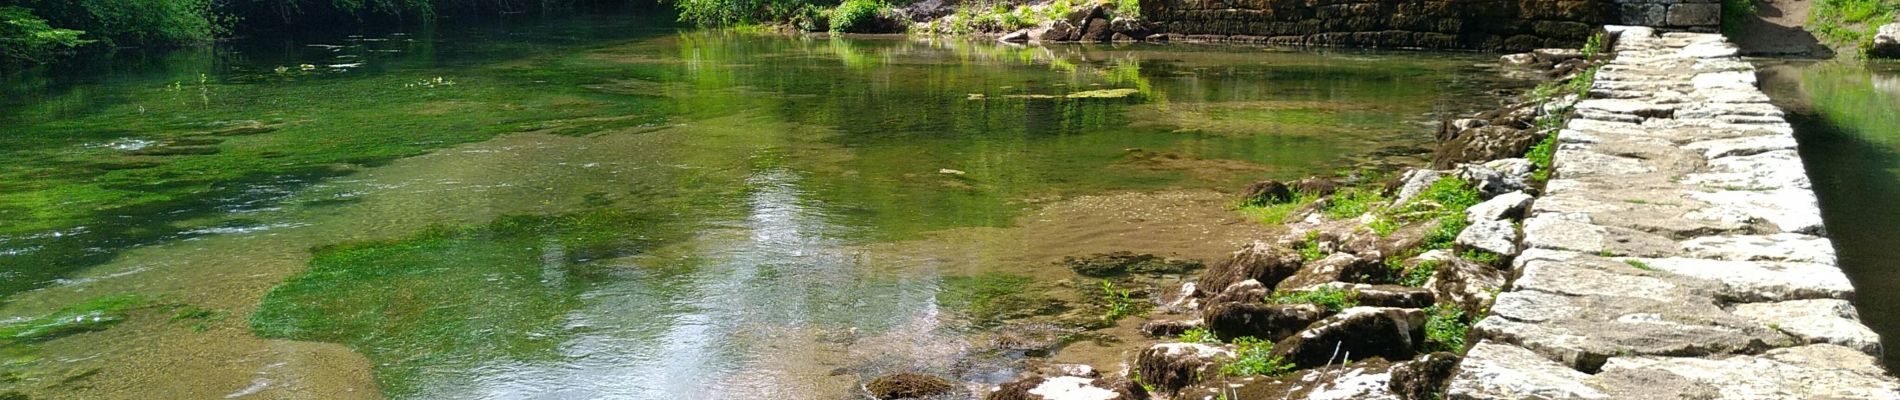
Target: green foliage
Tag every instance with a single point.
(1419, 274)
(1850, 22)
(857, 15)
(135, 22)
(1198, 335)
(1445, 328)
(1482, 257)
(1541, 156)
(1275, 213)
(1593, 47)
(1445, 200)
(1253, 356)
(1119, 302)
(1324, 296)
(1639, 264)
(25, 38)
(1352, 202)
(1309, 250)
(1128, 8)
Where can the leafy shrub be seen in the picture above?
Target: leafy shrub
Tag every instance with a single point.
(857, 15)
(1352, 202)
(1255, 357)
(1846, 22)
(136, 22)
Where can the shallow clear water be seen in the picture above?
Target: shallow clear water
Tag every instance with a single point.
(1847, 120)
(611, 207)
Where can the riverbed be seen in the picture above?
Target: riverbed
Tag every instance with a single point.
(614, 206)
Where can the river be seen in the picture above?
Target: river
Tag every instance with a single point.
(616, 207)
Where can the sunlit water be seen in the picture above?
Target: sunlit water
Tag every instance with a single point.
(611, 207)
(1847, 119)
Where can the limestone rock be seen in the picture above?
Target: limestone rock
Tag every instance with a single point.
(1068, 388)
(1820, 371)
(1133, 28)
(1498, 371)
(1356, 333)
(1503, 207)
(1382, 295)
(1265, 321)
(1169, 327)
(1465, 284)
(1490, 235)
(1518, 60)
(1096, 31)
(1247, 291)
(1553, 56)
(1886, 42)
(1258, 261)
(1484, 144)
(1337, 267)
(1019, 36)
(1054, 31)
(1423, 378)
(1315, 186)
(1830, 321)
(1486, 181)
(1415, 182)
(1748, 281)
(1516, 171)
(1362, 380)
(1172, 366)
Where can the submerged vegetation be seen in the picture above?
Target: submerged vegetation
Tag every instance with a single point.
(452, 297)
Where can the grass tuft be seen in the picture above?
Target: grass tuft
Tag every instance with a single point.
(1324, 296)
(1253, 356)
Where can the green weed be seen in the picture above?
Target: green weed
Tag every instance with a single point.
(1119, 303)
(1253, 356)
(1324, 296)
(1198, 335)
(1445, 328)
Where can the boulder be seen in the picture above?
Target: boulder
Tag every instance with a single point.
(1886, 42)
(1096, 31)
(1081, 16)
(1258, 261)
(1499, 371)
(1385, 295)
(1490, 142)
(1356, 333)
(1508, 206)
(1486, 181)
(1468, 123)
(1265, 321)
(1054, 31)
(1517, 171)
(1019, 36)
(908, 385)
(1553, 56)
(1169, 327)
(1361, 380)
(1338, 267)
(1068, 387)
(1133, 28)
(1490, 235)
(1121, 262)
(1415, 182)
(1247, 291)
(1464, 284)
(1518, 60)
(1315, 186)
(1267, 192)
(1172, 366)
(1423, 378)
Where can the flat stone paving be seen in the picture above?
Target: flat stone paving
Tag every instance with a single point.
(1678, 252)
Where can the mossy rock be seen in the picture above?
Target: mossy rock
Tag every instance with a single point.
(908, 385)
(1105, 265)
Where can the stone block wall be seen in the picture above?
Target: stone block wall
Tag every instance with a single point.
(1500, 25)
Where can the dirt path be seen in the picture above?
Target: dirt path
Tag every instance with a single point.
(1776, 31)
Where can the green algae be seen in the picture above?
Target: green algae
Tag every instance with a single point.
(451, 298)
(92, 315)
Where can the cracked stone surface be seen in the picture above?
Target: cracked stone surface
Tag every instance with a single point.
(1678, 250)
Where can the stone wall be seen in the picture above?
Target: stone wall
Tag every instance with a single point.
(1504, 25)
(1678, 251)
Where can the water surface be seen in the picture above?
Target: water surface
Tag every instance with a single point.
(1847, 120)
(613, 207)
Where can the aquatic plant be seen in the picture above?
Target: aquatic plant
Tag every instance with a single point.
(95, 314)
(1253, 356)
(1120, 304)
